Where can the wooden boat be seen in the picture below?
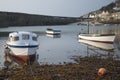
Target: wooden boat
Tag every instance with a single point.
(98, 37)
(53, 32)
(101, 45)
(22, 45)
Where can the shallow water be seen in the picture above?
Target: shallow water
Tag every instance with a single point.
(61, 48)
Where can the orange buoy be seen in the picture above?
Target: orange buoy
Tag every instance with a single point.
(102, 71)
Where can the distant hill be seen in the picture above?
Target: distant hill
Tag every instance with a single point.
(22, 19)
(109, 7)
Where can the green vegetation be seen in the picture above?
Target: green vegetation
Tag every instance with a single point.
(21, 19)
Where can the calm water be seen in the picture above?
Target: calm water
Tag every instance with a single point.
(59, 49)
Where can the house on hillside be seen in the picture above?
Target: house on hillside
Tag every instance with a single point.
(104, 16)
(117, 2)
(116, 15)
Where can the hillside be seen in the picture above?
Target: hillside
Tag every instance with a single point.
(104, 15)
(108, 7)
(22, 19)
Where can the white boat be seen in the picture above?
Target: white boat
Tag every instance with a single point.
(22, 45)
(98, 37)
(51, 31)
(101, 45)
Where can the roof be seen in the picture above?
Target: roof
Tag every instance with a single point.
(21, 32)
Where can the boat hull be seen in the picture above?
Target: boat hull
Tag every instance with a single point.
(53, 32)
(105, 46)
(98, 38)
(22, 59)
(23, 50)
(24, 53)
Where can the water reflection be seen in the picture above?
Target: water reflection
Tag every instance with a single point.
(53, 36)
(105, 30)
(101, 53)
(99, 49)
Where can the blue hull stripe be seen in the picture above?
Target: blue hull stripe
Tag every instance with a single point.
(23, 46)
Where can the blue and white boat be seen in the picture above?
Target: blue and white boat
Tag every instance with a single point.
(22, 45)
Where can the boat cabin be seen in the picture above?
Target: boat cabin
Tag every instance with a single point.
(22, 36)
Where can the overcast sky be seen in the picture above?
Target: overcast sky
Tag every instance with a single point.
(73, 8)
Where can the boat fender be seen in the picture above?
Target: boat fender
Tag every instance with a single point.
(102, 71)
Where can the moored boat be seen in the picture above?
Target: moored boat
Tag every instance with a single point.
(22, 45)
(98, 37)
(53, 32)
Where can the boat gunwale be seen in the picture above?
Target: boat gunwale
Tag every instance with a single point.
(96, 35)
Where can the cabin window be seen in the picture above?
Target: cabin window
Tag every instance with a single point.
(34, 38)
(25, 37)
(15, 38)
